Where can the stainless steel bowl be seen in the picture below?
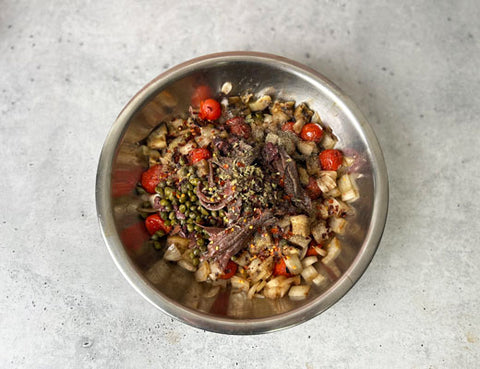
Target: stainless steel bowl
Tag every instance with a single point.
(170, 288)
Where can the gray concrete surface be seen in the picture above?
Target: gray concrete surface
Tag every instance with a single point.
(67, 69)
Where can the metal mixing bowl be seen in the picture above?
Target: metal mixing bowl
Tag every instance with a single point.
(169, 287)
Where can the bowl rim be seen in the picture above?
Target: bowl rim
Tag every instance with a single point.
(205, 321)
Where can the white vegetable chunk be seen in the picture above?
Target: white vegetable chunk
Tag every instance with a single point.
(333, 251)
(300, 225)
(298, 292)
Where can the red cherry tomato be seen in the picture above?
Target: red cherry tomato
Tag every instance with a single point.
(199, 154)
(201, 93)
(281, 268)
(151, 178)
(238, 127)
(154, 223)
(210, 109)
(312, 189)
(230, 270)
(288, 127)
(330, 159)
(311, 132)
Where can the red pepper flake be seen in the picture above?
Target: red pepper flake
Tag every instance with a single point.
(240, 164)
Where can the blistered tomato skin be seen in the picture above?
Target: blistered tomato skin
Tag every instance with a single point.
(313, 191)
(151, 178)
(238, 127)
(199, 154)
(230, 270)
(311, 132)
(154, 223)
(288, 127)
(331, 159)
(210, 109)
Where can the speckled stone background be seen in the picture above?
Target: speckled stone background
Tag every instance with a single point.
(68, 67)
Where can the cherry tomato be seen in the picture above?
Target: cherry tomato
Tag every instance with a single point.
(151, 178)
(312, 189)
(154, 223)
(199, 154)
(281, 268)
(331, 159)
(210, 109)
(238, 127)
(230, 270)
(288, 127)
(311, 132)
(201, 93)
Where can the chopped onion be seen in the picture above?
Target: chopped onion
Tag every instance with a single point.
(240, 283)
(333, 250)
(187, 265)
(319, 280)
(202, 272)
(348, 188)
(337, 224)
(309, 273)
(298, 292)
(307, 148)
(157, 139)
(226, 88)
(293, 264)
(320, 231)
(328, 142)
(172, 253)
(327, 180)
(309, 260)
(300, 225)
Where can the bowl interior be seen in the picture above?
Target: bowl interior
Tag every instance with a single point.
(172, 288)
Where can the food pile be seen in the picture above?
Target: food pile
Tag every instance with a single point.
(248, 191)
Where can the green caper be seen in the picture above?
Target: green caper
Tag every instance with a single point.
(203, 211)
(182, 199)
(214, 213)
(193, 198)
(196, 251)
(192, 215)
(221, 213)
(190, 193)
(188, 204)
(160, 233)
(164, 215)
(187, 212)
(167, 223)
(198, 228)
(173, 222)
(174, 201)
(190, 227)
(157, 245)
(198, 219)
(200, 242)
(194, 181)
(168, 191)
(172, 216)
(160, 191)
(168, 207)
(190, 221)
(182, 208)
(195, 262)
(182, 161)
(162, 184)
(190, 186)
(164, 202)
(154, 237)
